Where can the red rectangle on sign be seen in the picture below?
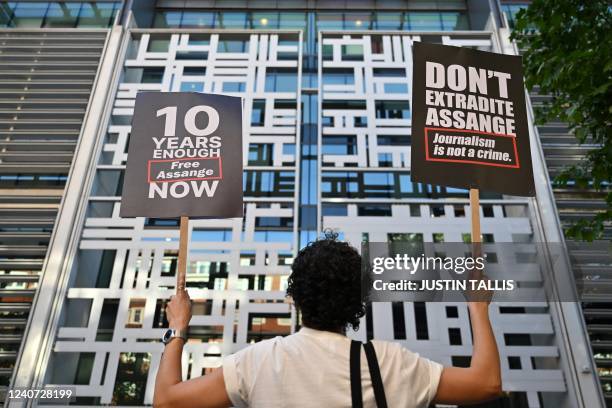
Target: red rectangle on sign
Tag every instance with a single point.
(217, 176)
(475, 160)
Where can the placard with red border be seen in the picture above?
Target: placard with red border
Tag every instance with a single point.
(219, 177)
(470, 161)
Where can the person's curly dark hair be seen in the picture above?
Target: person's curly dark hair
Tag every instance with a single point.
(325, 284)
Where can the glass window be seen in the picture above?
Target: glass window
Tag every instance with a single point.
(23, 180)
(340, 144)
(258, 113)
(233, 87)
(398, 238)
(192, 87)
(260, 154)
(289, 149)
(273, 236)
(438, 237)
(358, 21)
(231, 20)
(352, 52)
(280, 81)
(198, 19)
(392, 109)
(380, 179)
(388, 21)
(131, 380)
(6, 13)
(152, 75)
(268, 183)
(335, 209)
(197, 39)
(220, 235)
(396, 88)
(167, 19)
(97, 14)
(423, 21)
(393, 140)
(454, 190)
(158, 44)
(385, 159)
(58, 14)
(454, 21)
(511, 10)
(29, 14)
(62, 15)
(329, 21)
(327, 52)
(405, 183)
(232, 46)
(340, 76)
(292, 20)
(264, 20)
(374, 210)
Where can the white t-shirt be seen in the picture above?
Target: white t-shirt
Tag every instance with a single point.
(311, 369)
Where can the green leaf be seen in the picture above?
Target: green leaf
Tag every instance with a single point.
(567, 46)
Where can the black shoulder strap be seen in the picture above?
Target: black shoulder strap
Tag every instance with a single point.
(356, 374)
(377, 384)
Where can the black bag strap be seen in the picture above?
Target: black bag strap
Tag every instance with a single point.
(379, 389)
(355, 365)
(356, 374)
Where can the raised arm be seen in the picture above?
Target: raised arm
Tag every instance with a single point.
(170, 391)
(482, 380)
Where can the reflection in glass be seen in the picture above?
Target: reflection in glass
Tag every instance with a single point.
(58, 14)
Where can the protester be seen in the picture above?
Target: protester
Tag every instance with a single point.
(312, 367)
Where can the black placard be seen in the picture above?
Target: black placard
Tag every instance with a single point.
(184, 157)
(469, 121)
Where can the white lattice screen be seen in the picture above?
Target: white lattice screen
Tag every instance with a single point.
(124, 266)
(138, 258)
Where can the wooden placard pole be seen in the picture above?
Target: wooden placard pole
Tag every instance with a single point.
(475, 212)
(181, 271)
(475, 215)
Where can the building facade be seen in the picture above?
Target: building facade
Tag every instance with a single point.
(326, 88)
(47, 75)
